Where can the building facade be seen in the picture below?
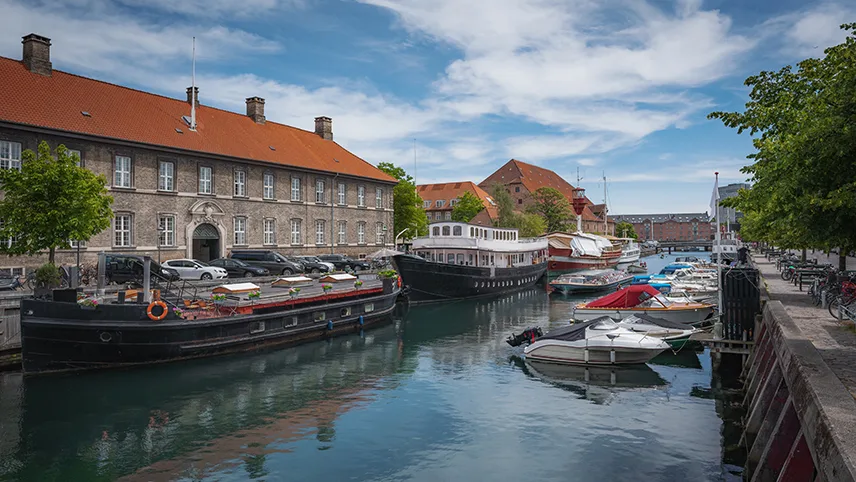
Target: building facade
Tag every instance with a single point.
(439, 201)
(522, 179)
(669, 227)
(191, 180)
(730, 216)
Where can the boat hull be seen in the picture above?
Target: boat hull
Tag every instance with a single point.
(568, 264)
(429, 281)
(629, 257)
(690, 316)
(568, 288)
(60, 337)
(576, 353)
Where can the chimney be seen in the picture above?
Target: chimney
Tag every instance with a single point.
(195, 94)
(37, 54)
(256, 109)
(324, 127)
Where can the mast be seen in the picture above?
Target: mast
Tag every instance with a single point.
(717, 326)
(193, 88)
(605, 209)
(579, 216)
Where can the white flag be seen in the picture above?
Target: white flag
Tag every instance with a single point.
(714, 198)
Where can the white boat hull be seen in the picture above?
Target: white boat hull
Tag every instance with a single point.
(689, 316)
(577, 353)
(629, 256)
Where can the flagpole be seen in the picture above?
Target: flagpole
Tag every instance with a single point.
(717, 325)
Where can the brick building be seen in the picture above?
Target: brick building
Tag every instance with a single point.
(670, 227)
(231, 181)
(439, 200)
(522, 179)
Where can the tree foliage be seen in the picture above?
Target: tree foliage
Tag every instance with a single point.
(528, 225)
(406, 203)
(623, 229)
(467, 207)
(554, 207)
(50, 202)
(803, 171)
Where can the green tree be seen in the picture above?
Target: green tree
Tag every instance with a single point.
(803, 170)
(467, 207)
(50, 202)
(554, 207)
(624, 229)
(406, 203)
(505, 216)
(530, 225)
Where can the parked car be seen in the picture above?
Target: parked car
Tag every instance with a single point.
(273, 261)
(311, 264)
(343, 262)
(239, 269)
(125, 268)
(195, 269)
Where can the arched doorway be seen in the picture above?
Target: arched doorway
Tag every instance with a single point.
(206, 242)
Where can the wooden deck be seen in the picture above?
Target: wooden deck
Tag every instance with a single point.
(738, 347)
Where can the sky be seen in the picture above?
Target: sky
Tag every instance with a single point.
(452, 89)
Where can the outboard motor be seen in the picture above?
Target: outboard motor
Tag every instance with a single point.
(527, 336)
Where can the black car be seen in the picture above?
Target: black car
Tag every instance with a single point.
(312, 264)
(344, 263)
(239, 269)
(126, 268)
(265, 258)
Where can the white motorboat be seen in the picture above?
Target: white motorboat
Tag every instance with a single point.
(596, 342)
(645, 299)
(629, 251)
(675, 334)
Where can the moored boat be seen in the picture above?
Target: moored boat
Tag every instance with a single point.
(630, 251)
(638, 268)
(645, 299)
(590, 281)
(571, 252)
(460, 260)
(675, 334)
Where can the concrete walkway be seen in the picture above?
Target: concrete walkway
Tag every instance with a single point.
(835, 341)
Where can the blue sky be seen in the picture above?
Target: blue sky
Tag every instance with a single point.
(620, 87)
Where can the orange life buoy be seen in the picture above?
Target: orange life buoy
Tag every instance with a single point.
(163, 312)
(399, 281)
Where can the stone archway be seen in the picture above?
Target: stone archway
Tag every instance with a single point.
(205, 233)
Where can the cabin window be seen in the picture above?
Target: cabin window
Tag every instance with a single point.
(450, 258)
(436, 231)
(319, 316)
(445, 230)
(460, 259)
(456, 230)
(470, 258)
(257, 327)
(368, 307)
(293, 322)
(472, 232)
(346, 311)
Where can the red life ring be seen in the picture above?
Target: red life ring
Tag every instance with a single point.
(164, 310)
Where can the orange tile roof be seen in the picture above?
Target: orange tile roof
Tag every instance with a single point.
(533, 178)
(122, 113)
(452, 190)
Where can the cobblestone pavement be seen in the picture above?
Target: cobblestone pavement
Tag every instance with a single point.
(835, 341)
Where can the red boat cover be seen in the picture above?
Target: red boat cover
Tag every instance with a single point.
(626, 298)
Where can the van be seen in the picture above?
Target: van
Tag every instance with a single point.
(265, 258)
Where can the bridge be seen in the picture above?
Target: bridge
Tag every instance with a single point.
(703, 245)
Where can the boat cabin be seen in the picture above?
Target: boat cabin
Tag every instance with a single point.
(475, 245)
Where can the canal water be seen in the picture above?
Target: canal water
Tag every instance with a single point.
(436, 395)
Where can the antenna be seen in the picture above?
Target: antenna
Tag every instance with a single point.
(193, 88)
(414, 162)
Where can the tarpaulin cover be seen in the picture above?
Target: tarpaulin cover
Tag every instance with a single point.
(626, 298)
(574, 332)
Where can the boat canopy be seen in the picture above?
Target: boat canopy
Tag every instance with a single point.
(643, 318)
(629, 297)
(581, 244)
(577, 331)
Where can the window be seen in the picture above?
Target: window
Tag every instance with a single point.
(342, 232)
(166, 231)
(379, 233)
(10, 155)
(517, 189)
(445, 230)
(268, 186)
(122, 230)
(379, 198)
(450, 258)
(456, 231)
(270, 231)
(519, 201)
(440, 203)
(13, 272)
(448, 215)
(438, 216)
(166, 176)
(361, 233)
(121, 172)
(295, 189)
(435, 231)
(426, 204)
(342, 191)
(206, 180)
(319, 232)
(319, 191)
(368, 308)
(240, 230)
(361, 196)
(295, 232)
(72, 152)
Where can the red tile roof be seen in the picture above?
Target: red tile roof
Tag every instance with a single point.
(121, 113)
(452, 190)
(533, 178)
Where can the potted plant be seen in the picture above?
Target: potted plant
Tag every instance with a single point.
(87, 303)
(178, 311)
(358, 284)
(326, 287)
(388, 274)
(46, 279)
(293, 292)
(217, 297)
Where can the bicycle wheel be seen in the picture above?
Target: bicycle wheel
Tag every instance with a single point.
(833, 307)
(31, 283)
(787, 274)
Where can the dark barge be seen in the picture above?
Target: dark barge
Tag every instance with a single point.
(62, 336)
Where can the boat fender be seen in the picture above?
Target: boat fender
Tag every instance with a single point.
(399, 281)
(330, 325)
(361, 320)
(154, 317)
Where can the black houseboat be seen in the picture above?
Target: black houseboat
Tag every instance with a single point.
(66, 334)
(460, 260)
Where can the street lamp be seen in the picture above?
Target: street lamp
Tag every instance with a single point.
(579, 205)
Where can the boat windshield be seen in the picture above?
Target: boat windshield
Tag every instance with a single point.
(604, 325)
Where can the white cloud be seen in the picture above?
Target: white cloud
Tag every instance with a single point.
(217, 8)
(808, 32)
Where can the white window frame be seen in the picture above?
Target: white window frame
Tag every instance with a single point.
(296, 238)
(343, 193)
(269, 228)
(295, 189)
(240, 178)
(343, 232)
(122, 176)
(268, 186)
(361, 196)
(206, 185)
(379, 197)
(166, 176)
(10, 155)
(379, 234)
(448, 215)
(239, 228)
(320, 227)
(319, 191)
(72, 152)
(440, 203)
(166, 230)
(123, 230)
(426, 205)
(361, 233)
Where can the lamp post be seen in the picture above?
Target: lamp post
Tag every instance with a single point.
(579, 205)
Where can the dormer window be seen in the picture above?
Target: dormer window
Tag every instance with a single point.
(440, 203)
